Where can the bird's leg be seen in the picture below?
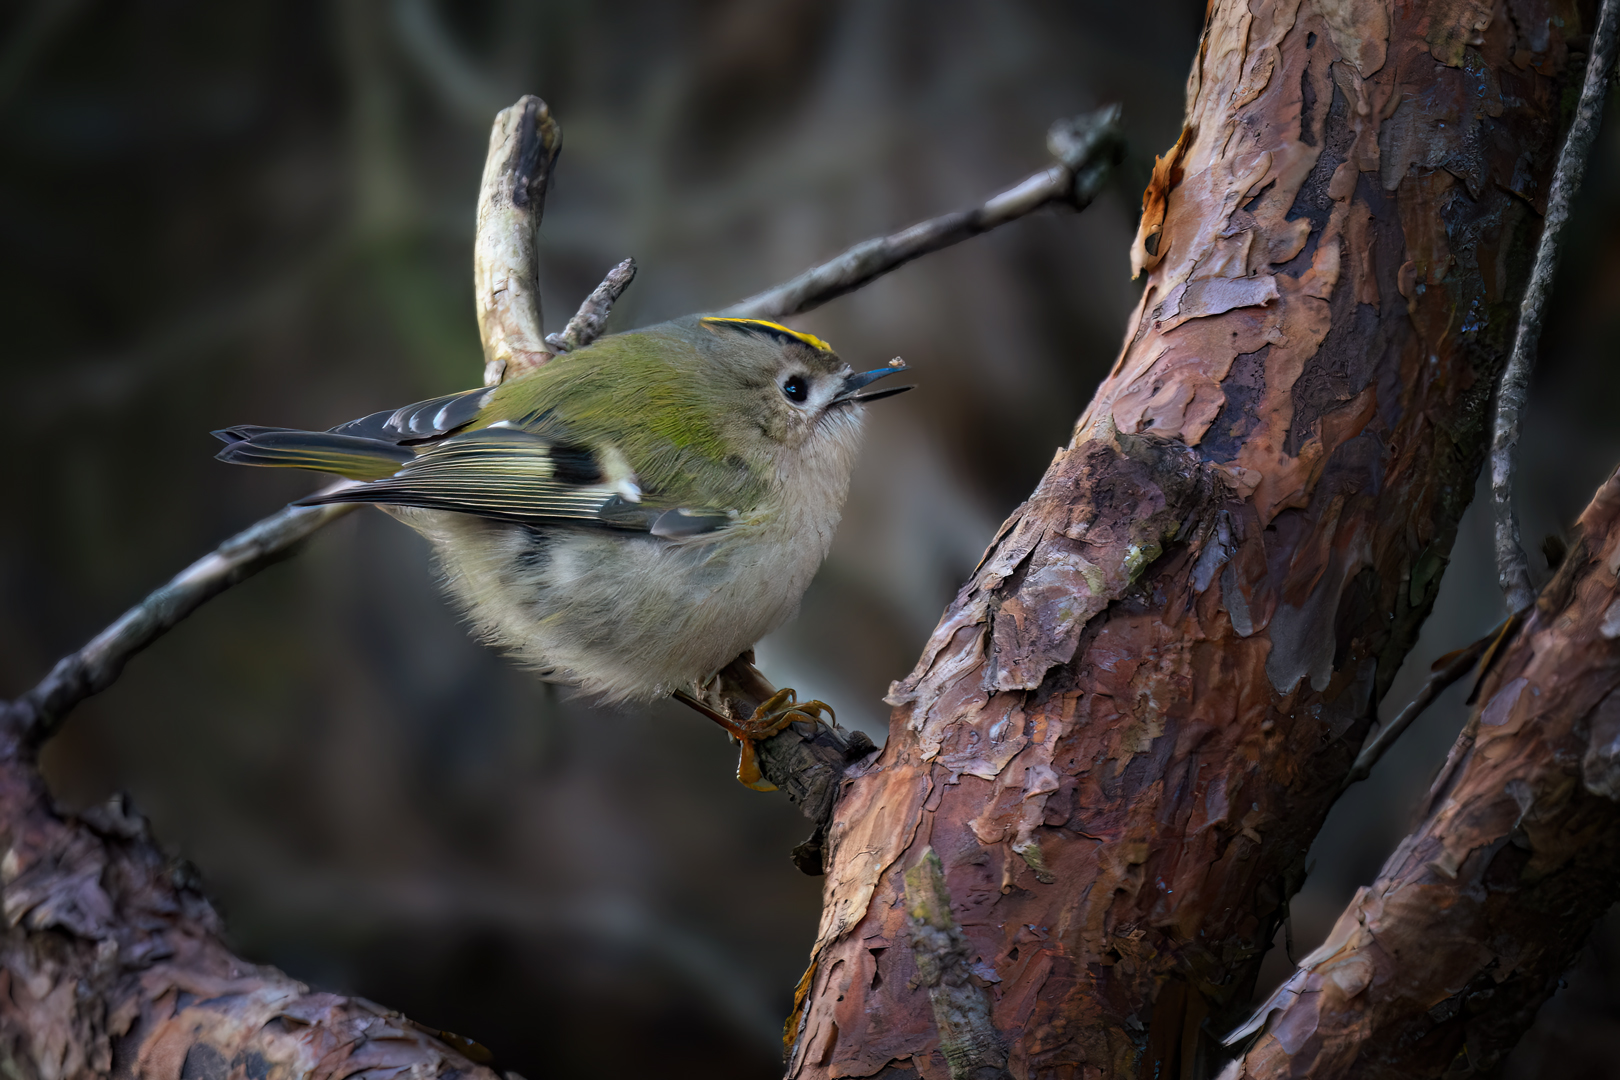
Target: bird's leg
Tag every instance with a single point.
(773, 715)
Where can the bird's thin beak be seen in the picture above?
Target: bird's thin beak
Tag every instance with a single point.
(855, 383)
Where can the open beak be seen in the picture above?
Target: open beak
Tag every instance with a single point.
(855, 384)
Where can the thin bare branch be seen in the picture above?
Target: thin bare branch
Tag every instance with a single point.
(1452, 667)
(1512, 566)
(1087, 148)
(588, 322)
(523, 147)
(36, 715)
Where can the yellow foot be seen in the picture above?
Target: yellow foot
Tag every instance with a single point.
(775, 713)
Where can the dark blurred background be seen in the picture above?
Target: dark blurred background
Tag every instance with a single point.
(262, 212)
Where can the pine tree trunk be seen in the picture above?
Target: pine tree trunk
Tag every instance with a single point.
(1128, 727)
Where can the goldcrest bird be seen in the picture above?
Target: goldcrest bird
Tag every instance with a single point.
(629, 517)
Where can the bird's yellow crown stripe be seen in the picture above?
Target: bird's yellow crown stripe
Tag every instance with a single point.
(772, 328)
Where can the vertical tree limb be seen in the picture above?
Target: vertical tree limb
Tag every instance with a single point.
(1512, 567)
(1127, 729)
(523, 146)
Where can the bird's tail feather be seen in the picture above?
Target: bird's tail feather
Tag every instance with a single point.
(346, 455)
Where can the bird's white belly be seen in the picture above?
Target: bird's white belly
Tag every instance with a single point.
(627, 616)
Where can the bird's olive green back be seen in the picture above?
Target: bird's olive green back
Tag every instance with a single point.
(665, 397)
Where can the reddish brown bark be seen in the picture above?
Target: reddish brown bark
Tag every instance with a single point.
(1440, 966)
(111, 962)
(1131, 722)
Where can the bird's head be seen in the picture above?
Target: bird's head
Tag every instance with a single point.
(785, 386)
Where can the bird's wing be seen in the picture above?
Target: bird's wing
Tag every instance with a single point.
(370, 448)
(513, 475)
(421, 422)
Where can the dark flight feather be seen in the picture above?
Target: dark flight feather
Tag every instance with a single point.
(421, 422)
(345, 455)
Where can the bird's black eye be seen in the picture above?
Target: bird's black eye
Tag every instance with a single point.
(797, 388)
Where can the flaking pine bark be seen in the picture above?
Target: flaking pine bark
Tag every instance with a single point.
(1440, 964)
(1128, 727)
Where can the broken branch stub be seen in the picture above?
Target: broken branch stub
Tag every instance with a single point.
(591, 318)
(810, 764)
(806, 762)
(523, 146)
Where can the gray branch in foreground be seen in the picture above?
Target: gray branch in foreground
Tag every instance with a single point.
(36, 715)
(1087, 148)
(524, 143)
(591, 318)
(1512, 566)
